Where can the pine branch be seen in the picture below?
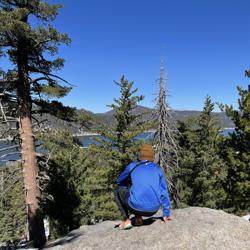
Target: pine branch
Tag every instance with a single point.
(38, 123)
(48, 75)
(13, 173)
(14, 181)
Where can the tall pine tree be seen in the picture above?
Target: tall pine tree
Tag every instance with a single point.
(202, 171)
(235, 149)
(119, 147)
(31, 50)
(63, 199)
(128, 124)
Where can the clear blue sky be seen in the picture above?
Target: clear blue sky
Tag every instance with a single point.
(205, 44)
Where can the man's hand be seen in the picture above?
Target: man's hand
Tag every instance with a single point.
(166, 219)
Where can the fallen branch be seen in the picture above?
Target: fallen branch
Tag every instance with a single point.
(3, 114)
(9, 154)
(8, 148)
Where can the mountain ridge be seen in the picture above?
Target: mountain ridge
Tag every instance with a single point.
(107, 119)
(181, 115)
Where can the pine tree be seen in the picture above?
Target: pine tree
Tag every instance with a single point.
(31, 79)
(117, 149)
(235, 150)
(202, 170)
(166, 137)
(12, 206)
(128, 124)
(101, 163)
(63, 199)
(184, 177)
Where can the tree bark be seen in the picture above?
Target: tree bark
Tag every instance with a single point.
(29, 162)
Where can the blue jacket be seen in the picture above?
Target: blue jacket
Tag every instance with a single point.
(149, 189)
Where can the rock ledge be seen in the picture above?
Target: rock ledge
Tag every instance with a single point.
(190, 228)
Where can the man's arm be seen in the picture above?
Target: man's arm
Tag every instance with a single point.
(164, 196)
(122, 179)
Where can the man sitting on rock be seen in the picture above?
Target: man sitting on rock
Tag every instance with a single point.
(147, 192)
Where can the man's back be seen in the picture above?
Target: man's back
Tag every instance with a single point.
(145, 190)
(149, 190)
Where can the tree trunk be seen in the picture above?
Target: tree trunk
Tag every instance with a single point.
(29, 163)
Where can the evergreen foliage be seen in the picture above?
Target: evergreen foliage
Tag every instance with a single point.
(202, 172)
(128, 125)
(19, 38)
(235, 149)
(64, 195)
(121, 138)
(101, 164)
(12, 205)
(31, 49)
(117, 149)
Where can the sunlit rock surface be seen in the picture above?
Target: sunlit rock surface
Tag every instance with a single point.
(190, 228)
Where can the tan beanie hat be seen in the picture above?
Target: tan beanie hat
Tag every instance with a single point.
(146, 152)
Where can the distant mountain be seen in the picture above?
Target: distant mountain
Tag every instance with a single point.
(107, 119)
(181, 115)
(138, 110)
(223, 120)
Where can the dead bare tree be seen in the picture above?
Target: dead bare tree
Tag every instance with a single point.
(166, 145)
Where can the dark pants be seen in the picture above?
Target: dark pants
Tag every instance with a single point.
(121, 199)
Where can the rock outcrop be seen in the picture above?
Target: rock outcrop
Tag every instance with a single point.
(190, 228)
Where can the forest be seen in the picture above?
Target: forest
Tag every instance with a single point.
(70, 186)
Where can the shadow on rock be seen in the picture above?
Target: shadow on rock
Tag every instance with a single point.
(146, 222)
(151, 220)
(64, 240)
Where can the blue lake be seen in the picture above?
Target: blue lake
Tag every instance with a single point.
(13, 157)
(91, 139)
(228, 131)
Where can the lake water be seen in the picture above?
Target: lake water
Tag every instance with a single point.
(228, 131)
(85, 141)
(91, 139)
(13, 157)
